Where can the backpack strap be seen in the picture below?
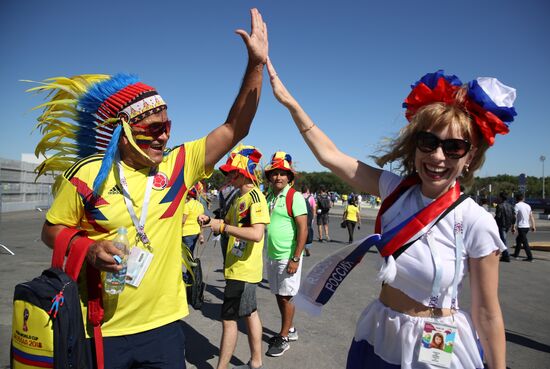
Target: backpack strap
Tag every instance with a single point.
(61, 245)
(75, 259)
(77, 252)
(95, 311)
(289, 201)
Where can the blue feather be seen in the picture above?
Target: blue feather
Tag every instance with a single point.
(107, 162)
(89, 103)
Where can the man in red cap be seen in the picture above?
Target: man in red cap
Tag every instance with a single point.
(286, 238)
(244, 226)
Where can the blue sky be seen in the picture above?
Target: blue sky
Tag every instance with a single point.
(349, 63)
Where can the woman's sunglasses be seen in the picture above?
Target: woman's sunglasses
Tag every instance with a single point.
(154, 129)
(453, 148)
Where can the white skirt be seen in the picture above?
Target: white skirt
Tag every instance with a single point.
(396, 337)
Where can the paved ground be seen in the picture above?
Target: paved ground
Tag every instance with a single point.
(524, 291)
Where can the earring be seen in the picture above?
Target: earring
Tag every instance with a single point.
(466, 169)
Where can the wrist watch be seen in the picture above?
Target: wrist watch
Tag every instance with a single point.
(295, 259)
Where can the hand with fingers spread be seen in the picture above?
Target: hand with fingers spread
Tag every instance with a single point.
(256, 42)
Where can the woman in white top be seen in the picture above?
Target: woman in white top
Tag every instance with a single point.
(445, 141)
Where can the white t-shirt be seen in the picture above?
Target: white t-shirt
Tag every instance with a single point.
(523, 211)
(396, 336)
(415, 266)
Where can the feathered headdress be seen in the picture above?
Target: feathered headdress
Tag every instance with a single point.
(489, 102)
(86, 114)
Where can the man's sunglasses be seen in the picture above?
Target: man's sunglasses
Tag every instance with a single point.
(453, 148)
(154, 129)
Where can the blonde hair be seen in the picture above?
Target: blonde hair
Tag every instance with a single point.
(436, 116)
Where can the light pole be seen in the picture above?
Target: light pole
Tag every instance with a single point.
(542, 159)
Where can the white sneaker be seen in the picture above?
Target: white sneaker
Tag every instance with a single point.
(293, 334)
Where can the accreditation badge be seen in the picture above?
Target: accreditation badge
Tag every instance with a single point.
(138, 263)
(437, 343)
(238, 248)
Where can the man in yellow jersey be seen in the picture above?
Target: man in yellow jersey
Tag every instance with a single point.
(244, 225)
(126, 177)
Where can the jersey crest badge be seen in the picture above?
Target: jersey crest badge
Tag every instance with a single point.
(160, 181)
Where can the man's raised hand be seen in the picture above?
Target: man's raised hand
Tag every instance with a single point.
(256, 42)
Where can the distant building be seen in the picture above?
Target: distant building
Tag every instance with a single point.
(19, 188)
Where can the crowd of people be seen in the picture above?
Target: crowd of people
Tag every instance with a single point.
(121, 173)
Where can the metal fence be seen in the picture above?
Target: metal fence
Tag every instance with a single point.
(18, 189)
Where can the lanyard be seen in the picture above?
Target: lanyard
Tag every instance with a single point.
(139, 225)
(459, 246)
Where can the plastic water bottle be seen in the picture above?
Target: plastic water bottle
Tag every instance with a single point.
(114, 282)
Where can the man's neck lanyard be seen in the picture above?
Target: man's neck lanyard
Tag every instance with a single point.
(139, 225)
(459, 246)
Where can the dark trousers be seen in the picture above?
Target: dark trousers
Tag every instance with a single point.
(158, 348)
(503, 233)
(351, 229)
(521, 241)
(191, 241)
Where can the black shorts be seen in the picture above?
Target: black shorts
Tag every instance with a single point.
(165, 348)
(239, 299)
(322, 218)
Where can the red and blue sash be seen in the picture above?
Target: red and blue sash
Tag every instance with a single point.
(327, 275)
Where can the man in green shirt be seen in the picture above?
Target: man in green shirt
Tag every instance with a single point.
(286, 238)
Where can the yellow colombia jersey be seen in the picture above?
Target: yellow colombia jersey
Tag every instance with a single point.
(161, 297)
(244, 260)
(352, 211)
(192, 209)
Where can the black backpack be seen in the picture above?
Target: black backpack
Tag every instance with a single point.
(309, 211)
(505, 216)
(323, 202)
(42, 334)
(47, 325)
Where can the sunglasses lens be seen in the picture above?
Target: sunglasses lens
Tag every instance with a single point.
(154, 129)
(427, 142)
(455, 149)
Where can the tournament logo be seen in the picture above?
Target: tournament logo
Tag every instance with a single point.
(160, 181)
(25, 318)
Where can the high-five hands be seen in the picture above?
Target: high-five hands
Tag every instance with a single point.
(256, 42)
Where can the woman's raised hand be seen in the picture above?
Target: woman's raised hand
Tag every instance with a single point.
(279, 90)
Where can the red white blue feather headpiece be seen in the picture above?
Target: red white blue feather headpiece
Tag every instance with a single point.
(489, 102)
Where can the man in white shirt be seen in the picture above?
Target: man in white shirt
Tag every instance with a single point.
(524, 221)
